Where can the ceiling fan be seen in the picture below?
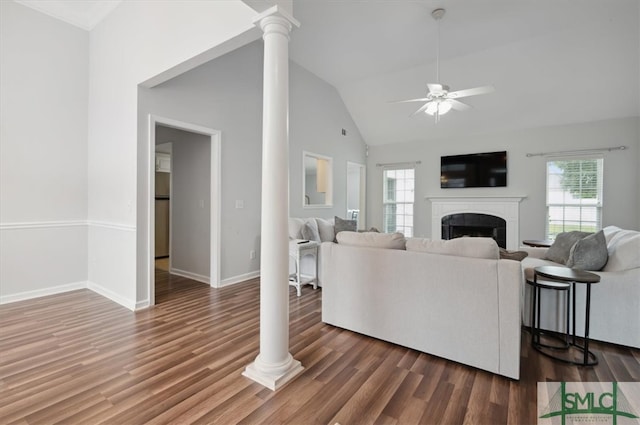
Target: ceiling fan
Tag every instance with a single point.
(440, 100)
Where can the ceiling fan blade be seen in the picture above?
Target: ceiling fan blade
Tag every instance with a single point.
(422, 109)
(470, 92)
(435, 88)
(457, 105)
(409, 100)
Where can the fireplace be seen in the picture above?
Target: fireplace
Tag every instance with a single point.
(472, 224)
(506, 208)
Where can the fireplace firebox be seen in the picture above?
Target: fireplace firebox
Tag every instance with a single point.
(475, 225)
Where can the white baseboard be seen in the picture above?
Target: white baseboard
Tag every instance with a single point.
(100, 290)
(27, 295)
(189, 275)
(141, 305)
(107, 293)
(240, 278)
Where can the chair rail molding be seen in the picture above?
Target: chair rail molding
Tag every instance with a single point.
(42, 224)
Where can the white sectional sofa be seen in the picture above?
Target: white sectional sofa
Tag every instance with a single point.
(615, 300)
(434, 296)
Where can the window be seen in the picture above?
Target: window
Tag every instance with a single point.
(398, 196)
(574, 195)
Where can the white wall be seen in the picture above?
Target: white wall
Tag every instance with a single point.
(526, 176)
(226, 95)
(190, 203)
(43, 150)
(136, 42)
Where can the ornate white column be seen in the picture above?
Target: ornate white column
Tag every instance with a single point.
(274, 366)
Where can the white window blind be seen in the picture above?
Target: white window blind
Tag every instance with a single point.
(574, 195)
(398, 198)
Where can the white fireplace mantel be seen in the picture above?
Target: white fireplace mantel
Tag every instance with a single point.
(505, 207)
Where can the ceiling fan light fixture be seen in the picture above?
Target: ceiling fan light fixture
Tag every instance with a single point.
(439, 100)
(438, 107)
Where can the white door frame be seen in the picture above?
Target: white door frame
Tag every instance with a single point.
(215, 207)
(362, 215)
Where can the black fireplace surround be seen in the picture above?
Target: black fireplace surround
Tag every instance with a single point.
(472, 224)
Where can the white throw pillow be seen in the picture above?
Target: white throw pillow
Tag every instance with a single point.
(310, 231)
(372, 239)
(609, 232)
(624, 251)
(463, 247)
(326, 229)
(295, 227)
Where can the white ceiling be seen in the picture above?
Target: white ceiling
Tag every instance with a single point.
(85, 14)
(551, 62)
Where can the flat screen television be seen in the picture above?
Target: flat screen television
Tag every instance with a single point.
(474, 170)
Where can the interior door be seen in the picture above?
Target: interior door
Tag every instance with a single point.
(356, 193)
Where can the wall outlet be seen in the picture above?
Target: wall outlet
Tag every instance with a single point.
(252, 254)
(239, 204)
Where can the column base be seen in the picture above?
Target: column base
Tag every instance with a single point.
(273, 378)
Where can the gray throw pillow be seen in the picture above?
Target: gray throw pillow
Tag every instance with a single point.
(310, 232)
(345, 225)
(589, 253)
(559, 251)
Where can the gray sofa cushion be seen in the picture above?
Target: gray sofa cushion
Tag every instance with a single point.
(559, 251)
(589, 253)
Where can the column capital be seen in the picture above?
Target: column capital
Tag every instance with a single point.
(278, 16)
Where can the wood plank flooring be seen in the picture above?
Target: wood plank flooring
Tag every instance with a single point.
(78, 358)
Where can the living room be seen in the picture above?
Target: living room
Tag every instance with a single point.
(315, 127)
(79, 176)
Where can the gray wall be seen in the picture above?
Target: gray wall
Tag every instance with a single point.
(527, 176)
(191, 204)
(44, 92)
(353, 188)
(190, 200)
(226, 95)
(317, 117)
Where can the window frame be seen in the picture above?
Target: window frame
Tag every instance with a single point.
(386, 202)
(598, 204)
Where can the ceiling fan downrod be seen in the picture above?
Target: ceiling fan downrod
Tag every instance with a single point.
(437, 14)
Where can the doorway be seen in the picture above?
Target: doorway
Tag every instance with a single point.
(193, 201)
(163, 204)
(356, 202)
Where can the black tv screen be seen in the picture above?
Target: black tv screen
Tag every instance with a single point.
(474, 170)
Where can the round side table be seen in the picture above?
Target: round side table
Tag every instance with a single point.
(572, 277)
(538, 283)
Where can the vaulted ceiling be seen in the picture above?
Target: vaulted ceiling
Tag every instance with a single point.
(551, 62)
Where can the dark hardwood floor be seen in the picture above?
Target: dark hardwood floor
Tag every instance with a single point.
(78, 358)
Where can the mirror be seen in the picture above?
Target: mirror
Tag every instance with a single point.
(317, 180)
(356, 179)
